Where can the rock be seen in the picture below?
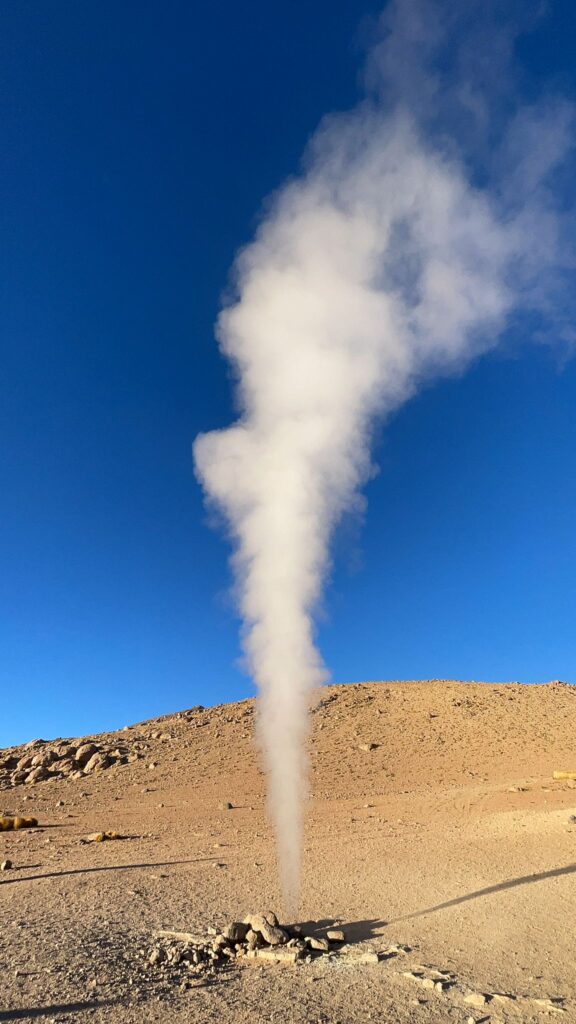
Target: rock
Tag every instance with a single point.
(552, 1005)
(366, 956)
(335, 935)
(101, 837)
(157, 956)
(44, 758)
(282, 955)
(225, 805)
(98, 761)
(237, 931)
(271, 933)
(367, 747)
(319, 944)
(475, 999)
(503, 998)
(25, 762)
(6, 865)
(37, 775)
(59, 803)
(84, 752)
(67, 751)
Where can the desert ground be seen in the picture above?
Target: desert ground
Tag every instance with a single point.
(435, 836)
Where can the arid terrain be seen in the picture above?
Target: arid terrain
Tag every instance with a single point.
(435, 836)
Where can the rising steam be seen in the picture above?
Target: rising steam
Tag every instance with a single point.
(402, 251)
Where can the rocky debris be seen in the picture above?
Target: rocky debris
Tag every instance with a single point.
(445, 982)
(431, 978)
(266, 926)
(258, 937)
(14, 824)
(42, 761)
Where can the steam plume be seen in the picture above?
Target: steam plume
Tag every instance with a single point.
(402, 250)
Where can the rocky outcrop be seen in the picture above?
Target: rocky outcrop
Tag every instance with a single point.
(42, 760)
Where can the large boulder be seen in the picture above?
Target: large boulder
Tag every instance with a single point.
(38, 774)
(85, 752)
(267, 926)
(98, 761)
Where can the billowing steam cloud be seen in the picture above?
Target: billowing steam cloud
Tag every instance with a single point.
(391, 258)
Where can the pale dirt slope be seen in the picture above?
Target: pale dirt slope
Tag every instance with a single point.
(449, 837)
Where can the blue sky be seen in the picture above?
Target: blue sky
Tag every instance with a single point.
(137, 151)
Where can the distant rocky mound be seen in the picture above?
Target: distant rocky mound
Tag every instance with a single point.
(42, 760)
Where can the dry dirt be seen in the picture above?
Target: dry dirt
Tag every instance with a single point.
(448, 837)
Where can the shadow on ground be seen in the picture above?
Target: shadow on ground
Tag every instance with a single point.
(360, 931)
(355, 931)
(34, 1012)
(111, 867)
(510, 883)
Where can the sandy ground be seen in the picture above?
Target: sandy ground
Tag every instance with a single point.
(449, 837)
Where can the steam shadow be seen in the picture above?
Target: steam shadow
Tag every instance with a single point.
(511, 883)
(359, 931)
(32, 1012)
(355, 931)
(111, 867)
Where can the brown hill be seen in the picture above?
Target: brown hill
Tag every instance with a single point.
(433, 824)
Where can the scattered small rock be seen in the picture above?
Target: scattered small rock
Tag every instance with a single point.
(6, 865)
(225, 805)
(475, 999)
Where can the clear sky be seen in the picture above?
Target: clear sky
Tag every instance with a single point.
(138, 142)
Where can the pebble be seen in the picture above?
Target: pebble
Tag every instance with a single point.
(6, 865)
